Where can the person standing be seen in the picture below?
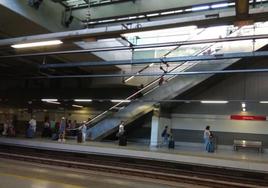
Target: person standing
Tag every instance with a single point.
(84, 131)
(121, 130)
(165, 136)
(62, 128)
(121, 134)
(32, 124)
(207, 134)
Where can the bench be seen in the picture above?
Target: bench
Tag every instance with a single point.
(247, 144)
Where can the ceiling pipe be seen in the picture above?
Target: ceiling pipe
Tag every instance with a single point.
(175, 60)
(152, 74)
(156, 45)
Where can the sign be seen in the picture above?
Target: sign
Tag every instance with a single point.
(251, 118)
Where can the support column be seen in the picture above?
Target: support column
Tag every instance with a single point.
(155, 141)
(157, 126)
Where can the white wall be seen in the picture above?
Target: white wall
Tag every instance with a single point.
(219, 123)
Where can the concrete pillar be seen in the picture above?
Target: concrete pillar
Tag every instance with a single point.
(155, 141)
(158, 124)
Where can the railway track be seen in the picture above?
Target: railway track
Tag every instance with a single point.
(164, 170)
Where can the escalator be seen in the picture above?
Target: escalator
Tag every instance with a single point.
(175, 86)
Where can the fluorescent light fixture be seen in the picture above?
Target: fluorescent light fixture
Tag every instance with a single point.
(53, 102)
(264, 102)
(214, 102)
(231, 4)
(83, 100)
(244, 110)
(166, 13)
(152, 64)
(154, 14)
(178, 11)
(243, 105)
(221, 5)
(199, 8)
(49, 100)
(37, 44)
(117, 100)
(130, 78)
(261, 1)
(77, 106)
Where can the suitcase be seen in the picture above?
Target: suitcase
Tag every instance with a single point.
(79, 137)
(171, 144)
(11, 132)
(54, 136)
(122, 141)
(30, 133)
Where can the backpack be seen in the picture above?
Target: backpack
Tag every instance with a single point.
(164, 133)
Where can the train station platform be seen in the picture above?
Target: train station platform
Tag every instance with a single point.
(242, 160)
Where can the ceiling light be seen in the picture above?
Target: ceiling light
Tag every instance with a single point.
(130, 78)
(37, 44)
(244, 110)
(83, 100)
(221, 5)
(77, 106)
(53, 102)
(264, 102)
(243, 105)
(49, 100)
(117, 100)
(199, 8)
(214, 102)
(151, 64)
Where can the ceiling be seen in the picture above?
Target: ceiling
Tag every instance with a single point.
(20, 73)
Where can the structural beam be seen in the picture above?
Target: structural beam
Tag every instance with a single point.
(242, 9)
(153, 74)
(176, 60)
(119, 29)
(135, 47)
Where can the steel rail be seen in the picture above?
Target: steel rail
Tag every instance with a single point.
(152, 74)
(140, 167)
(120, 48)
(174, 60)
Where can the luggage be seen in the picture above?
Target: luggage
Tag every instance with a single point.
(122, 140)
(30, 133)
(79, 137)
(11, 132)
(171, 144)
(55, 136)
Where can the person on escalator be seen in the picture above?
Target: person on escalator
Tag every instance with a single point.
(122, 134)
